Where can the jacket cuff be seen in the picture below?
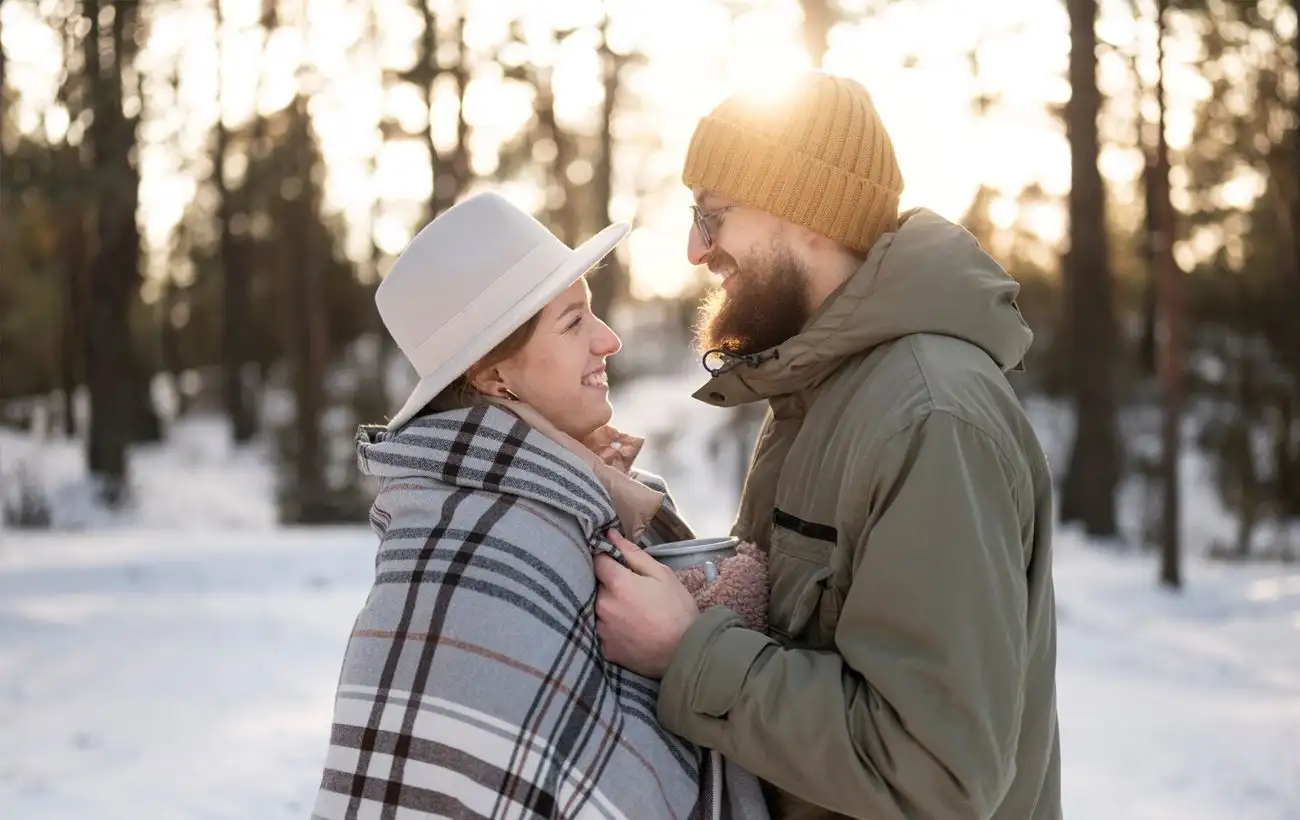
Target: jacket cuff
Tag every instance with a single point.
(707, 672)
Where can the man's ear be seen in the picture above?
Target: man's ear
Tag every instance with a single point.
(799, 239)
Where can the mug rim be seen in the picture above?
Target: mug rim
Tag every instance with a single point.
(692, 546)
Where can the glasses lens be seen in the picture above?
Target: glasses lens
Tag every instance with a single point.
(702, 227)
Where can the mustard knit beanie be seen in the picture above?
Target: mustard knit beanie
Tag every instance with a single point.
(818, 156)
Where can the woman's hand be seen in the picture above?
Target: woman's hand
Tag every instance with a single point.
(615, 448)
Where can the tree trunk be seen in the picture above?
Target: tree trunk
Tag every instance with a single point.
(1147, 356)
(1089, 490)
(110, 371)
(169, 347)
(422, 75)
(1171, 360)
(236, 308)
(451, 174)
(1295, 203)
(4, 100)
(609, 285)
(309, 348)
(1148, 346)
(71, 356)
(818, 17)
(145, 424)
(370, 401)
(563, 218)
(1287, 448)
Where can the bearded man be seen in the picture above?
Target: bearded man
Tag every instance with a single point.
(901, 496)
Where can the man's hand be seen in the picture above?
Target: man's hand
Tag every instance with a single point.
(641, 613)
(615, 448)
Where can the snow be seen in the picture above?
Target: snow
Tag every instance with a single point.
(195, 481)
(178, 661)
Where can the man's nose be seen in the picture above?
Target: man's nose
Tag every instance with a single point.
(696, 251)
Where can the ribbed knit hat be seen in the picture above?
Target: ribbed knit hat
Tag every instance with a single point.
(817, 156)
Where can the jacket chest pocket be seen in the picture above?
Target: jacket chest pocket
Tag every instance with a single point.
(805, 600)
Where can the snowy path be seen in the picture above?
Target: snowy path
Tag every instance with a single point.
(189, 676)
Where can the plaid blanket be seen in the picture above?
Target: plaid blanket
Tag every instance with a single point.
(472, 684)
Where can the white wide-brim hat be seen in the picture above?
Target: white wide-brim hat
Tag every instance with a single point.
(468, 280)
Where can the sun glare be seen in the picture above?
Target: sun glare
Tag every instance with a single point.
(696, 52)
(763, 73)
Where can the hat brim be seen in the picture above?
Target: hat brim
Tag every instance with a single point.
(510, 318)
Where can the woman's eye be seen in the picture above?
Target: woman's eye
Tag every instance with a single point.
(574, 324)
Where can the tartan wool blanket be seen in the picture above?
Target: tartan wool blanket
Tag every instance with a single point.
(472, 684)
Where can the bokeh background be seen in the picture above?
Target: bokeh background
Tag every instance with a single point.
(198, 197)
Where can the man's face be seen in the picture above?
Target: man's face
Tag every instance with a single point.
(763, 299)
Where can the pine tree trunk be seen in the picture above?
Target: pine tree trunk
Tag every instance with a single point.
(1088, 494)
(1148, 353)
(110, 371)
(564, 217)
(451, 174)
(309, 349)
(1295, 202)
(236, 308)
(609, 284)
(817, 20)
(170, 360)
(4, 107)
(145, 424)
(370, 399)
(72, 353)
(1171, 360)
(1287, 457)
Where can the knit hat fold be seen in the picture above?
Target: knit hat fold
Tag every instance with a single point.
(818, 157)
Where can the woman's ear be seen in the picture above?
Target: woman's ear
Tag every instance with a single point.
(489, 382)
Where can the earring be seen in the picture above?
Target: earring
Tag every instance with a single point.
(510, 394)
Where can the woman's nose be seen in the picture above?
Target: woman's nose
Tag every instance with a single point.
(606, 342)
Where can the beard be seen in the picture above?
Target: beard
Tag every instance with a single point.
(768, 304)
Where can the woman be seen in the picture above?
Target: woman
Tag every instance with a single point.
(472, 684)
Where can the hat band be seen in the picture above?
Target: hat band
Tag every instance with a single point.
(470, 322)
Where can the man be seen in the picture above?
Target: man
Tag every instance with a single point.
(897, 487)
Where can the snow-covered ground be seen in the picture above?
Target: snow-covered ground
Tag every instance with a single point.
(178, 663)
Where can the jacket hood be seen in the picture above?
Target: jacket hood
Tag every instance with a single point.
(929, 276)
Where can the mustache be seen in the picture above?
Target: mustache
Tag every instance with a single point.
(721, 262)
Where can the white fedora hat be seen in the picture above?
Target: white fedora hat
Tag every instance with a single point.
(468, 280)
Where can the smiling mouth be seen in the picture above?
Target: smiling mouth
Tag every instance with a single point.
(600, 378)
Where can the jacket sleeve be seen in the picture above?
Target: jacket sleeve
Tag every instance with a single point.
(917, 715)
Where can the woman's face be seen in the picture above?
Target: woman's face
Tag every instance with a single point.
(560, 371)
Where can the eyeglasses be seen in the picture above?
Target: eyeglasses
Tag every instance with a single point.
(702, 219)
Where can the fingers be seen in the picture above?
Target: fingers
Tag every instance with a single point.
(637, 558)
(630, 445)
(608, 571)
(621, 541)
(613, 446)
(601, 437)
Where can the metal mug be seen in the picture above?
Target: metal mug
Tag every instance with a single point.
(678, 555)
